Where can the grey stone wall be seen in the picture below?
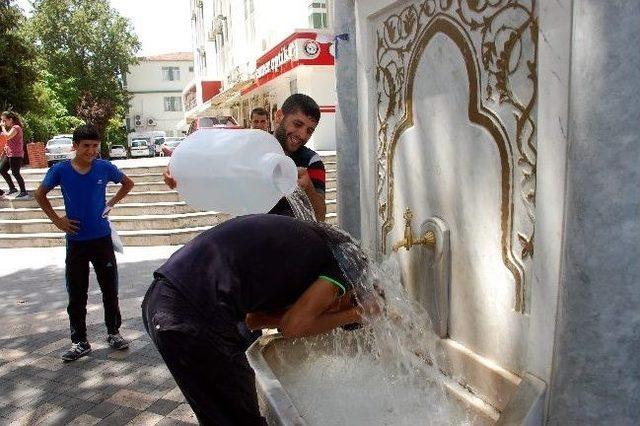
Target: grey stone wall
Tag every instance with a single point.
(596, 370)
(348, 196)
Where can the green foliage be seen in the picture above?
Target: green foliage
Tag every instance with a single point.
(64, 92)
(86, 47)
(18, 63)
(49, 116)
(37, 127)
(116, 132)
(66, 124)
(48, 102)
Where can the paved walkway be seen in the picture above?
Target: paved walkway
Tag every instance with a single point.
(106, 387)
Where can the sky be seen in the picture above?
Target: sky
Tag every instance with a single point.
(162, 26)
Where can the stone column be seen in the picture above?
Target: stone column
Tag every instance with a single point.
(348, 197)
(596, 366)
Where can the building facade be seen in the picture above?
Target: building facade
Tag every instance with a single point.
(258, 56)
(156, 84)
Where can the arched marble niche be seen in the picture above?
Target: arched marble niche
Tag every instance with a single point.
(456, 92)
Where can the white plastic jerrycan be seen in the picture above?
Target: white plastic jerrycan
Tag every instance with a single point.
(236, 171)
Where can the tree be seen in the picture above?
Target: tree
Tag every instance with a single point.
(87, 47)
(17, 60)
(50, 116)
(116, 133)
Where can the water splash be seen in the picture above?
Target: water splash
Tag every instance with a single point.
(301, 205)
(382, 374)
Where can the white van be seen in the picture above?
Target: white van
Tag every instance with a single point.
(147, 136)
(140, 148)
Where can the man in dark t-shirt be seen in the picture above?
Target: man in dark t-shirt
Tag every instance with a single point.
(272, 272)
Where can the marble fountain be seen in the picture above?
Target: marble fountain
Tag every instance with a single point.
(496, 144)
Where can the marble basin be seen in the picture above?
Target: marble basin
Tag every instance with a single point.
(490, 395)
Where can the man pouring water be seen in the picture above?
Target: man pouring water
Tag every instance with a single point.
(296, 122)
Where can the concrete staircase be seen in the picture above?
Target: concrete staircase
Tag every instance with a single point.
(150, 215)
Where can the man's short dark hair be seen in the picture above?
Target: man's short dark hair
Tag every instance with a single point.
(299, 102)
(86, 132)
(259, 111)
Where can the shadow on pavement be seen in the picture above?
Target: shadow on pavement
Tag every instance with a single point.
(107, 386)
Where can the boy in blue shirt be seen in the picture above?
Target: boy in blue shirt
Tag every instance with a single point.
(83, 181)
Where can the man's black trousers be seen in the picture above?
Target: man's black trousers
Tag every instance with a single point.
(206, 359)
(100, 253)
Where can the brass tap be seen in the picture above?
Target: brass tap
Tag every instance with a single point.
(428, 239)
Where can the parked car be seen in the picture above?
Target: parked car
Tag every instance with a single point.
(219, 122)
(170, 145)
(58, 148)
(140, 148)
(117, 151)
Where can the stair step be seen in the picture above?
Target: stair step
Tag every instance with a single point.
(132, 197)
(34, 182)
(151, 215)
(121, 209)
(150, 237)
(331, 218)
(158, 186)
(12, 218)
(122, 223)
(113, 187)
(38, 174)
(157, 167)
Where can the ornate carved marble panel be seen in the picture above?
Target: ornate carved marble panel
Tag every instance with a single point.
(498, 40)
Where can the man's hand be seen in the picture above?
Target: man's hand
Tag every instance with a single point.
(311, 314)
(67, 225)
(316, 198)
(304, 181)
(168, 179)
(343, 302)
(370, 305)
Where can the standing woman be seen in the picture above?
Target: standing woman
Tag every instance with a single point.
(11, 127)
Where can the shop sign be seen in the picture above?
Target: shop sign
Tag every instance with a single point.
(311, 48)
(287, 54)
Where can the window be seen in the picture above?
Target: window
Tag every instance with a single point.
(191, 68)
(248, 7)
(318, 14)
(250, 24)
(318, 20)
(170, 73)
(172, 103)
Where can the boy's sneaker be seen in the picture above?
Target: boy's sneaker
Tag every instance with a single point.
(117, 342)
(78, 350)
(12, 191)
(24, 194)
